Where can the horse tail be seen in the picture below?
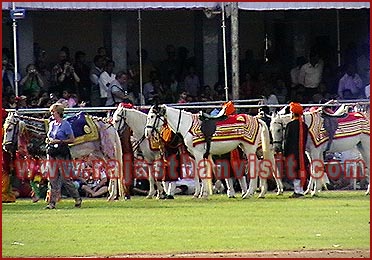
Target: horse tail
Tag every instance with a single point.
(265, 140)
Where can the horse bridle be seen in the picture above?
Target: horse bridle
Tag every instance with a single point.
(121, 121)
(120, 129)
(159, 117)
(282, 127)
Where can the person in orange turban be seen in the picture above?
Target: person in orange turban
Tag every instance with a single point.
(296, 108)
(295, 138)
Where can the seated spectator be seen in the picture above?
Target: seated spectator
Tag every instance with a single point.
(71, 98)
(270, 98)
(246, 90)
(96, 188)
(21, 101)
(352, 82)
(172, 86)
(9, 101)
(281, 91)
(183, 97)
(192, 82)
(219, 90)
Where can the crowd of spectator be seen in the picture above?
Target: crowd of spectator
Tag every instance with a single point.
(176, 79)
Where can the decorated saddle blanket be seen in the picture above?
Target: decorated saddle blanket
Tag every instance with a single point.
(353, 124)
(235, 127)
(84, 128)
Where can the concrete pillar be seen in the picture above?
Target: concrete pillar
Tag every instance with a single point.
(210, 50)
(119, 40)
(25, 47)
(235, 49)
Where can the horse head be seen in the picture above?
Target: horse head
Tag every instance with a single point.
(119, 118)
(155, 120)
(10, 133)
(277, 132)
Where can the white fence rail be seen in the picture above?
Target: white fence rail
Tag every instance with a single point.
(193, 105)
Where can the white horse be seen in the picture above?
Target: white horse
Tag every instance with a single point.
(136, 120)
(247, 132)
(353, 131)
(104, 147)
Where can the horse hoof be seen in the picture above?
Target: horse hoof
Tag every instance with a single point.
(313, 194)
(203, 196)
(279, 193)
(261, 196)
(247, 195)
(367, 193)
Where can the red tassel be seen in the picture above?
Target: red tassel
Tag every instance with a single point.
(302, 172)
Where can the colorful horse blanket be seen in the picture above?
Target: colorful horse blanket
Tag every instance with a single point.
(235, 127)
(354, 124)
(85, 130)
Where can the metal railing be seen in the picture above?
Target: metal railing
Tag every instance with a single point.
(191, 105)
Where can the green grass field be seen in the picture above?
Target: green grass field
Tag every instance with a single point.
(335, 220)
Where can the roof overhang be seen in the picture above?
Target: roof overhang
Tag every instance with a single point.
(253, 6)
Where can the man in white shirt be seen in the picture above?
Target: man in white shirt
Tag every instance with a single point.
(311, 74)
(350, 83)
(105, 79)
(118, 90)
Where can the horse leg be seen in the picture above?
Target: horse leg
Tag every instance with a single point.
(230, 187)
(278, 181)
(316, 177)
(204, 189)
(197, 187)
(243, 185)
(309, 185)
(365, 152)
(112, 189)
(160, 190)
(263, 186)
(252, 173)
(317, 187)
(152, 186)
(205, 173)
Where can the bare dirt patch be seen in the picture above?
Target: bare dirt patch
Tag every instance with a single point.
(356, 253)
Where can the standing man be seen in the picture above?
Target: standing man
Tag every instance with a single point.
(59, 135)
(295, 139)
(105, 79)
(95, 72)
(310, 75)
